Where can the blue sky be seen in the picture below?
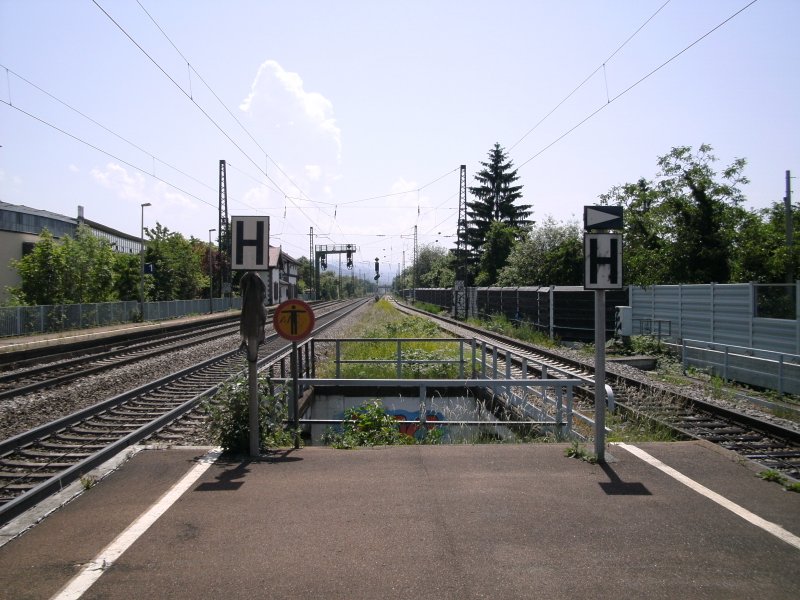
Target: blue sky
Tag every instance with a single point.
(324, 109)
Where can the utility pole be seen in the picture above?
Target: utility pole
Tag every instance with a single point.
(787, 202)
(312, 261)
(414, 293)
(460, 289)
(223, 233)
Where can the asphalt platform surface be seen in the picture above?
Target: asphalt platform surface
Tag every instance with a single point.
(482, 521)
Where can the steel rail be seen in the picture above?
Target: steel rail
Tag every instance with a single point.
(36, 494)
(784, 440)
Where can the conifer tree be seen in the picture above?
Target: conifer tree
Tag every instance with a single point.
(495, 195)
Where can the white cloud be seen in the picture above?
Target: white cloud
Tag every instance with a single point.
(134, 187)
(273, 84)
(313, 172)
(73, 169)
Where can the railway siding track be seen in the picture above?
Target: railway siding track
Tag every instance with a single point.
(41, 376)
(39, 462)
(57, 369)
(765, 442)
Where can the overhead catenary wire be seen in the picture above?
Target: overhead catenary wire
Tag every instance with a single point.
(183, 91)
(107, 153)
(632, 86)
(588, 77)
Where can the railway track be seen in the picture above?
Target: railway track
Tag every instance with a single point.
(59, 368)
(758, 439)
(39, 462)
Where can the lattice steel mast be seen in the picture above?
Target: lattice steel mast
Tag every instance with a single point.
(224, 232)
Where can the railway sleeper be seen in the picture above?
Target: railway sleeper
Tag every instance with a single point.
(121, 417)
(22, 476)
(22, 464)
(44, 456)
(89, 435)
(20, 488)
(100, 432)
(67, 447)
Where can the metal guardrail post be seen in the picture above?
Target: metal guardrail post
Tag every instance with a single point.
(507, 389)
(399, 367)
(725, 365)
(559, 405)
(569, 409)
(494, 368)
(338, 359)
(683, 356)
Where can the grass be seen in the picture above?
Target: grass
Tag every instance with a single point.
(384, 321)
(520, 330)
(427, 307)
(576, 450)
(633, 427)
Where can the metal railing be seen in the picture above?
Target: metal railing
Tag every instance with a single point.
(752, 366)
(31, 320)
(536, 401)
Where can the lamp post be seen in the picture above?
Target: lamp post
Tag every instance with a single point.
(210, 275)
(141, 270)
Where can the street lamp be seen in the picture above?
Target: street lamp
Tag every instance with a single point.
(210, 275)
(141, 270)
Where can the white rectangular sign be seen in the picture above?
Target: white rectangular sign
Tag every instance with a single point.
(603, 261)
(250, 243)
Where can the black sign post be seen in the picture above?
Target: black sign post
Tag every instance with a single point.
(603, 271)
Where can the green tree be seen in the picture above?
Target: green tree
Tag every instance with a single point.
(126, 276)
(77, 270)
(500, 239)
(41, 273)
(548, 254)
(682, 227)
(88, 268)
(177, 265)
(305, 275)
(495, 200)
(761, 251)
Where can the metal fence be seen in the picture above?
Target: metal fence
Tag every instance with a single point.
(740, 314)
(547, 400)
(30, 320)
(762, 368)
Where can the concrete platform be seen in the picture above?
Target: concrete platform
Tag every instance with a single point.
(492, 521)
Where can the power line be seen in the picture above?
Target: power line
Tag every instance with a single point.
(176, 84)
(629, 88)
(592, 74)
(228, 110)
(117, 135)
(98, 149)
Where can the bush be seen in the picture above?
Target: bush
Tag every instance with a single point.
(366, 425)
(229, 416)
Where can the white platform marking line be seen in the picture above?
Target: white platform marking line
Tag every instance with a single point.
(92, 571)
(745, 514)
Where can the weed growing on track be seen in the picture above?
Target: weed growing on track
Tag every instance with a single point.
(521, 330)
(778, 477)
(229, 416)
(634, 427)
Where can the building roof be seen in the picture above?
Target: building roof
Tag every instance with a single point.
(276, 254)
(19, 208)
